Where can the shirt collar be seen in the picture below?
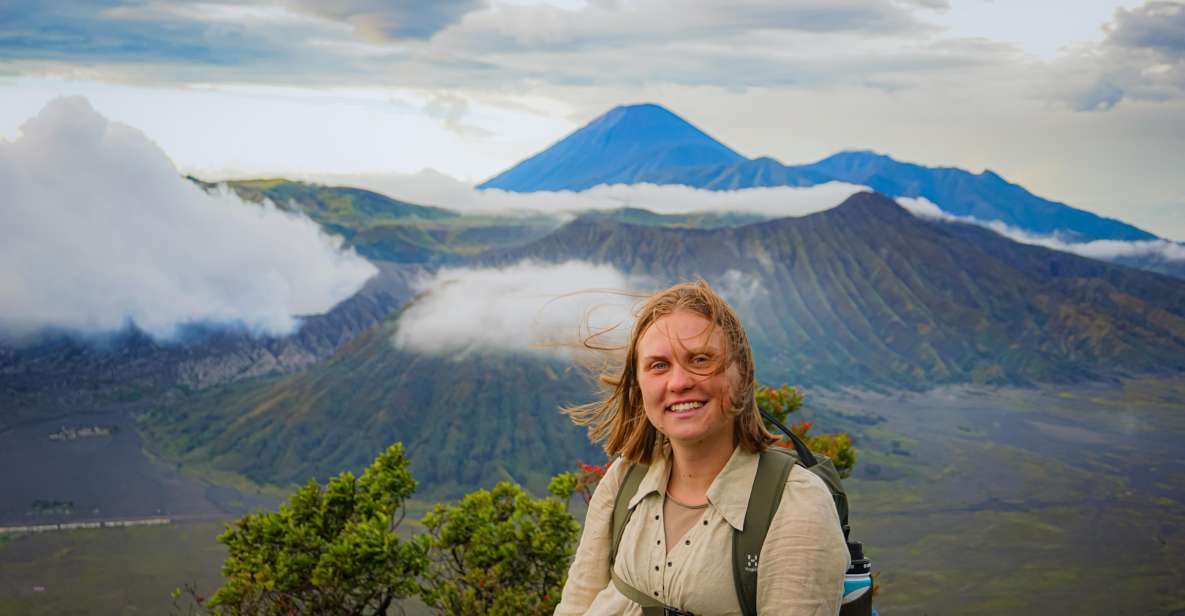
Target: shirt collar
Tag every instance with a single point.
(655, 480)
(729, 492)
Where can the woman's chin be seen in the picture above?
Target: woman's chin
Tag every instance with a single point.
(692, 435)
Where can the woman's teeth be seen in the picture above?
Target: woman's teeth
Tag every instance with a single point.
(686, 406)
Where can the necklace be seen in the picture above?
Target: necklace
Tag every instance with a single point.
(674, 500)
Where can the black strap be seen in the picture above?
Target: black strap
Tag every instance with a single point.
(804, 453)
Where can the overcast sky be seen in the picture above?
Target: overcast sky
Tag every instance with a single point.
(1081, 101)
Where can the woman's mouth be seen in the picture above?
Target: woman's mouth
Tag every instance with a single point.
(685, 407)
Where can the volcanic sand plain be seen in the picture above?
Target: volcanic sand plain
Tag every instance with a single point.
(969, 500)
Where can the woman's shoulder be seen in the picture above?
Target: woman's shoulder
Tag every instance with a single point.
(802, 478)
(610, 483)
(805, 489)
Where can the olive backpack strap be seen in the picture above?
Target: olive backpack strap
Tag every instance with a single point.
(621, 505)
(651, 606)
(621, 516)
(773, 468)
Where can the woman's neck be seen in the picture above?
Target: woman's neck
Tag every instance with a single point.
(694, 467)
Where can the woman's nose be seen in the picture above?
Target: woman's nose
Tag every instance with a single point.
(680, 379)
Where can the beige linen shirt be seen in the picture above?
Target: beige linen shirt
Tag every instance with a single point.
(800, 570)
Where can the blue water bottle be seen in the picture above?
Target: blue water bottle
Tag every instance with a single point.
(857, 584)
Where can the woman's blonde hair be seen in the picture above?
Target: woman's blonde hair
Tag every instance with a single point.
(619, 419)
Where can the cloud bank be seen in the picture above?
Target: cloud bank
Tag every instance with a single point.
(100, 231)
(508, 46)
(434, 188)
(525, 308)
(1162, 250)
(1142, 58)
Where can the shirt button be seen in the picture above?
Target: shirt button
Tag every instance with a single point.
(660, 542)
(656, 593)
(656, 567)
(668, 564)
(705, 522)
(688, 542)
(656, 517)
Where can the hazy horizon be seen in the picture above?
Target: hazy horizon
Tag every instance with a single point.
(1082, 104)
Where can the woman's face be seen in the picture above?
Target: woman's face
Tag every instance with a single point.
(687, 407)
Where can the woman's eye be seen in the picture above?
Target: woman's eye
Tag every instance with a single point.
(700, 359)
(658, 365)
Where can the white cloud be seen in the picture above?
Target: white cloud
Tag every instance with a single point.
(451, 110)
(739, 288)
(1142, 58)
(1042, 29)
(525, 308)
(435, 188)
(921, 206)
(382, 21)
(1164, 250)
(1109, 249)
(99, 230)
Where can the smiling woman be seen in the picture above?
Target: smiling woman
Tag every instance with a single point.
(684, 390)
(682, 416)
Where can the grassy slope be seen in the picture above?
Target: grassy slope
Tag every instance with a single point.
(466, 422)
(336, 206)
(108, 571)
(388, 229)
(113, 571)
(991, 501)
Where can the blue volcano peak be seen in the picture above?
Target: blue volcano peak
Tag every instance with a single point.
(654, 125)
(619, 147)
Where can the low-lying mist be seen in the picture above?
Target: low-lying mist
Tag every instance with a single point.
(433, 188)
(1159, 249)
(529, 307)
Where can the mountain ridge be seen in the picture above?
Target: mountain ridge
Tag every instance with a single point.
(867, 293)
(986, 196)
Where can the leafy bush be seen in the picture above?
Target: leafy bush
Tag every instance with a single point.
(331, 550)
(500, 552)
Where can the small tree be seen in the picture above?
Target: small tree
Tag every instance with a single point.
(331, 550)
(582, 482)
(784, 401)
(500, 552)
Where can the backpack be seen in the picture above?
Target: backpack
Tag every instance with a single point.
(773, 468)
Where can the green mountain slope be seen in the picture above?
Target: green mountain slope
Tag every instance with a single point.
(386, 229)
(464, 421)
(336, 207)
